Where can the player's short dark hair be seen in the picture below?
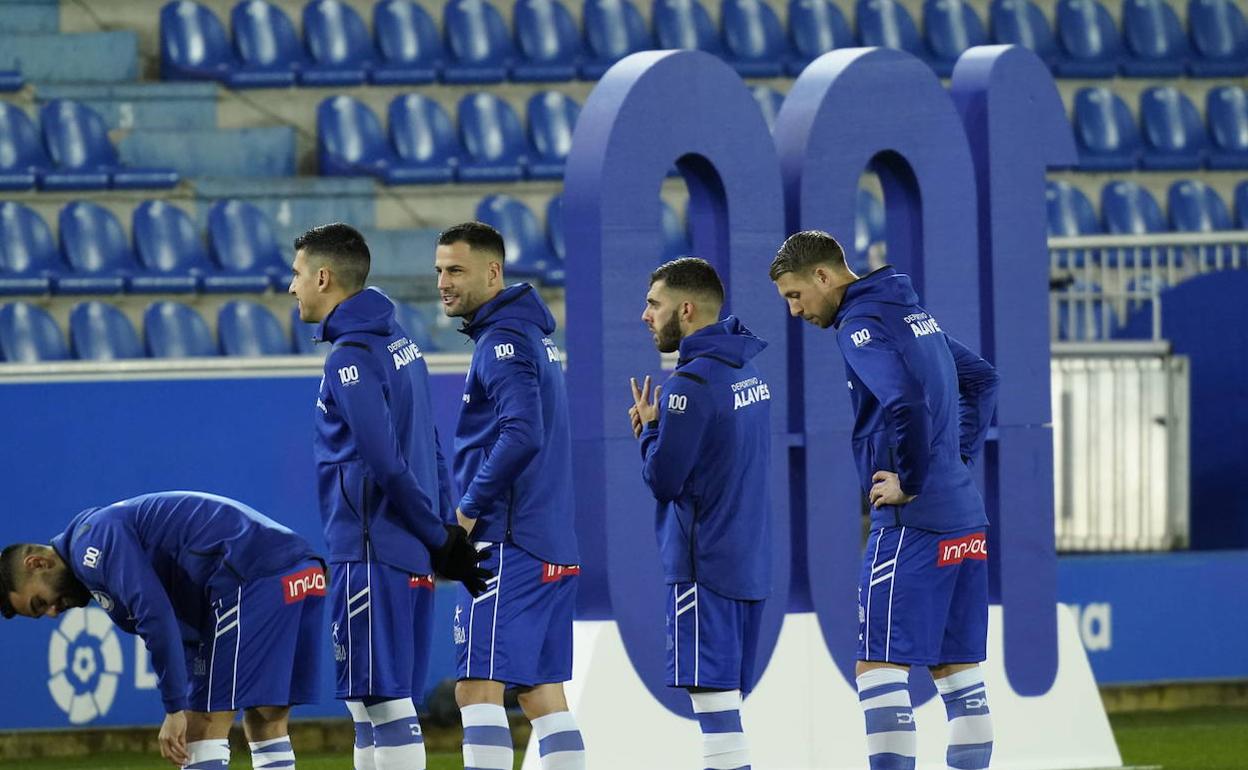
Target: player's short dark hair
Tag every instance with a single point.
(802, 251)
(478, 235)
(10, 560)
(343, 247)
(691, 274)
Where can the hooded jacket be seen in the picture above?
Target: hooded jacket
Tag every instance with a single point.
(922, 403)
(383, 485)
(513, 446)
(707, 460)
(155, 563)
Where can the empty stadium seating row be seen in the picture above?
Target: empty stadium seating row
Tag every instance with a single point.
(101, 332)
(1171, 133)
(1129, 209)
(475, 45)
(72, 152)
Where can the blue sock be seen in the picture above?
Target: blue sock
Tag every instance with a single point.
(363, 754)
(398, 743)
(970, 724)
(559, 741)
(208, 755)
(884, 697)
(273, 754)
(487, 737)
(724, 746)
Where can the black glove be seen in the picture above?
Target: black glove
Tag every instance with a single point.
(457, 559)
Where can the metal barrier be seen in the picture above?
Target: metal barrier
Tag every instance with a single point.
(1120, 442)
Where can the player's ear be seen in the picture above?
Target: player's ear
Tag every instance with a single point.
(496, 272)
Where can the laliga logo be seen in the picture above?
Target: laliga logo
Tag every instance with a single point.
(84, 664)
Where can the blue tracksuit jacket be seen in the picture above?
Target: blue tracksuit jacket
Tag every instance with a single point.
(156, 562)
(384, 488)
(513, 447)
(707, 460)
(922, 403)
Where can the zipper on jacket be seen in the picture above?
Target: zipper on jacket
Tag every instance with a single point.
(511, 504)
(342, 487)
(892, 461)
(693, 530)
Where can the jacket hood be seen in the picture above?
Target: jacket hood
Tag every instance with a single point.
(884, 285)
(369, 312)
(728, 341)
(515, 303)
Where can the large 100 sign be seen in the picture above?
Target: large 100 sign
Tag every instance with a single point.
(963, 176)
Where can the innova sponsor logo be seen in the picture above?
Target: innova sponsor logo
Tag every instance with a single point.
(973, 546)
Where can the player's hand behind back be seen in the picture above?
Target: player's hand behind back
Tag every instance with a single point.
(457, 559)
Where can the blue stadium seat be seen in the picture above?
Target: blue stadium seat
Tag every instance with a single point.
(1082, 315)
(492, 139)
(1021, 22)
(1226, 110)
(1195, 207)
(1105, 132)
(675, 235)
(949, 28)
(547, 42)
(410, 46)
(341, 48)
(29, 262)
(100, 332)
(11, 80)
(99, 254)
(350, 142)
(1219, 38)
(815, 27)
(423, 138)
(613, 29)
(868, 230)
(1070, 211)
(249, 329)
(1088, 40)
(754, 41)
(266, 42)
(1241, 205)
(552, 117)
(528, 253)
(887, 24)
(1153, 40)
(1128, 209)
(478, 47)
(194, 46)
(77, 141)
(417, 327)
(554, 228)
(769, 101)
(28, 335)
(242, 242)
(684, 24)
(1173, 132)
(303, 335)
(173, 330)
(22, 159)
(168, 243)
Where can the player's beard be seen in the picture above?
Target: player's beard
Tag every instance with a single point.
(667, 336)
(71, 589)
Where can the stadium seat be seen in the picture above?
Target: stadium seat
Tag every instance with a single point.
(887, 24)
(266, 42)
(173, 330)
(675, 235)
(868, 230)
(552, 117)
(77, 141)
(413, 322)
(1128, 209)
(194, 46)
(684, 24)
(11, 80)
(341, 48)
(1088, 40)
(1082, 315)
(815, 27)
(423, 138)
(754, 41)
(249, 329)
(100, 332)
(99, 255)
(303, 335)
(28, 335)
(769, 101)
(492, 139)
(949, 28)
(1153, 41)
(478, 47)
(22, 159)
(1105, 132)
(410, 46)
(1219, 38)
(1070, 214)
(1226, 110)
(528, 253)
(547, 42)
(29, 262)
(1021, 22)
(554, 228)
(1195, 207)
(1172, 130)
(168, 243)
(350, 142)
(242, 242)
(1241, 205)
(613, 29)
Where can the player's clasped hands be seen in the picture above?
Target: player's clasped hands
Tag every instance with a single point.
(457, 559)
(645, 408)
(886, 490)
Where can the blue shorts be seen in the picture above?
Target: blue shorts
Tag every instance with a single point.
(519, 631)
(382, 624)
(261, 646)
(923, 597)
(711, 639)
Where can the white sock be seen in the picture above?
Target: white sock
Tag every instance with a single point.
(208, 755)
(273, 754)
(884, 695)
(559, 741)
(970, 724)
(398, 743)
(487, 737)
(724, 746)
(363, 753)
